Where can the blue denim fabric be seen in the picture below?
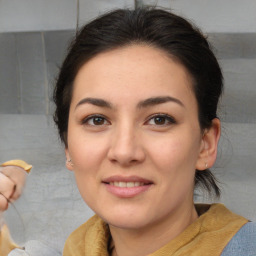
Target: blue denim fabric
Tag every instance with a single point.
(243, 243)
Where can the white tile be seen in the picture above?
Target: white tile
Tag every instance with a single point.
(219, 15)
(91, 9)
(37, 15)
(238, 102)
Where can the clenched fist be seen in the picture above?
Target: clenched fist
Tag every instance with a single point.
(12, 181)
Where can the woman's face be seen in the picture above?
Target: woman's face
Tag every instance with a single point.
(134, 136)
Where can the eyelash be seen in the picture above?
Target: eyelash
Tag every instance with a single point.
(93, 118)
(166, 118)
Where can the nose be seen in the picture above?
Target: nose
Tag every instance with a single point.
(126, 147)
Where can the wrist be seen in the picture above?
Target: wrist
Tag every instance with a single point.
(19, 163)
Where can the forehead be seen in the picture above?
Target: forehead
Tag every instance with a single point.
(133, 70)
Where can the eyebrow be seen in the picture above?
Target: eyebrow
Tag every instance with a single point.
(95, 102)
(142, 104)
(158, 100)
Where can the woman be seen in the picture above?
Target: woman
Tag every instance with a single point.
(136, 109)
(136, 105)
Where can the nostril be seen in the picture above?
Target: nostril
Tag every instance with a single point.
(126, 150)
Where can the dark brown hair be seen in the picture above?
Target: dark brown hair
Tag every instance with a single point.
(157, 28)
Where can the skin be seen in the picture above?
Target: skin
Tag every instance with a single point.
(132, 137)
(12, 181)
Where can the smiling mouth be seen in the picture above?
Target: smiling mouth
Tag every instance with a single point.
(122, 184)
(127, 187)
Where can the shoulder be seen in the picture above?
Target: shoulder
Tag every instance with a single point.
(76, 239)
(87, 234)
(243, 243)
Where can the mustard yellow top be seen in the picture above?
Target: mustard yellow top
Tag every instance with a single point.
(208, 235)
(27, 167)
(6, 243)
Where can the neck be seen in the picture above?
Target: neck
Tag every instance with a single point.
(146, 240)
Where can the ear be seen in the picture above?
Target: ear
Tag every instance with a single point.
(209, 146)
(69, 164)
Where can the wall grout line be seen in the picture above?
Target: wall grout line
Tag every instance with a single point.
(46, 84)
(138, 4)
(19, 80)
(77, 14)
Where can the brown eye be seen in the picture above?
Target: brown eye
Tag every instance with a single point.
(161, 120)
(98, 120)
(95, 121)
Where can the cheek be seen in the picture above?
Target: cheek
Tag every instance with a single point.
(175, 155)
(174, 164)
(87, 156)
(86, 150)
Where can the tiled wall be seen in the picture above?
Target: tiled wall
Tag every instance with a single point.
(45, 15)
(28, 66)
(30, 60)
(51, 207)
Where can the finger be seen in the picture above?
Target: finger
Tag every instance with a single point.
(6, 186)
(3, 203)
(17, 191)
(18, 176)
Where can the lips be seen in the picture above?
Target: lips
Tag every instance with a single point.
(130, 184)
(126, 179)
(126, 187)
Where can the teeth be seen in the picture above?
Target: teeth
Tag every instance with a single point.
(122, 184)
(129, 184)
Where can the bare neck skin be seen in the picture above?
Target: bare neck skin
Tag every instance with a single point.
(142, 242)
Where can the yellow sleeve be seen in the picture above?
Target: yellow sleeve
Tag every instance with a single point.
(27, 167)
(6, 243)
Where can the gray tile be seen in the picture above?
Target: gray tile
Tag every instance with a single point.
(219, 16)
(39, 15)
(161, 3)
(91, 9)
(236, 167)
(33, 79)
(34, 105)
(229, 46)
(52, 73)
(237, 150)
(238, 102)
(9, 91)
(56, 44)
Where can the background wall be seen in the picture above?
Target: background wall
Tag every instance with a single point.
(34, 35)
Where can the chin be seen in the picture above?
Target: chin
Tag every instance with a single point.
(125, 223)
(125, 219)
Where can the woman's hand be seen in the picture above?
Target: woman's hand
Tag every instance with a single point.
(12, 181)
